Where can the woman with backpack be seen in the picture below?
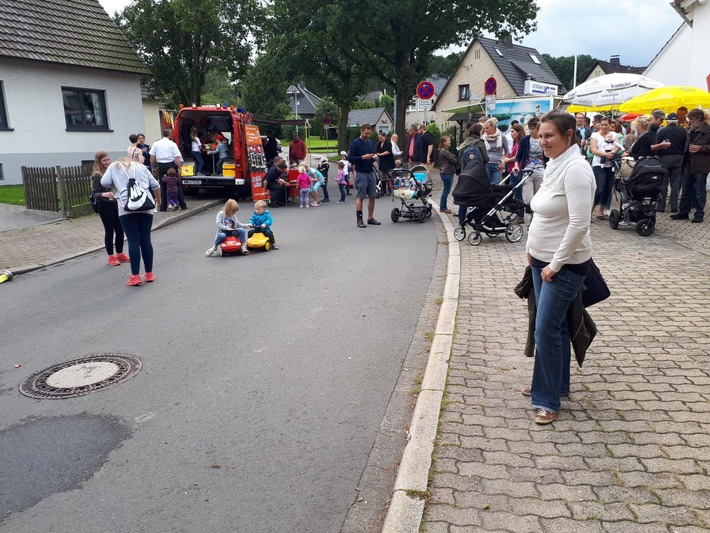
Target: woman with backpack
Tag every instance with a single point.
(104, 203)
(136, 223)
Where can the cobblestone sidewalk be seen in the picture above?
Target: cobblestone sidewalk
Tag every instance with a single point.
(630, 451)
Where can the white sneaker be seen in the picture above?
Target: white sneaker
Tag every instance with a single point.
(211, 251)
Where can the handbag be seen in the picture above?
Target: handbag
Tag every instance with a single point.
(595, 288)
(94, 203)
(139, 199)
(627, 167)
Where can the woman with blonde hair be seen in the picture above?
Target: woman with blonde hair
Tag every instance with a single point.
(642, 146)
(107, 208)
(496, 147)
(228, 224)
(136, 224)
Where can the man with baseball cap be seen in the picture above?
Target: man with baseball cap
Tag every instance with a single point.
(657, 118)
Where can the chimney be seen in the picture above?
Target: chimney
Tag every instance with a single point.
(615, 60)
(507, 41)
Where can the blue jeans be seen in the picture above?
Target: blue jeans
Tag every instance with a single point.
(448, 179)
(605, 181)
(199, 161)
(493, 173)
(551, 373)
(693, 194)
(220, 164)
(222, 234)
(343, 188)
(137, 226)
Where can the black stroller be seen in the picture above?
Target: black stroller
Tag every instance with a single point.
(639, 194)
(493, 207)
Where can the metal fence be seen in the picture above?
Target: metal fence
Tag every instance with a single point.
(63, 190)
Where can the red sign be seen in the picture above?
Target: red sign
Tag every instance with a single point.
(425, 90)
(490, 86)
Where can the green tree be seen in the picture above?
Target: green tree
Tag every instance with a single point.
(306, 35)
(445, 66)
(563, 67)
(325, 108)
(181, 41)
(399, 42)
(263, 88)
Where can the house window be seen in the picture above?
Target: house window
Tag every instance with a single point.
(535, 59)
(2, 176)
(464, 92)
(412, 106)
(84, 109)
(3, 112)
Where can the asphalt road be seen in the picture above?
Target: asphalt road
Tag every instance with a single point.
(264, 380)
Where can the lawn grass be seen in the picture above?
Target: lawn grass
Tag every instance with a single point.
(12, 194)
(316, 144)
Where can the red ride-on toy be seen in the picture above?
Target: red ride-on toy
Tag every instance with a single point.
(230, 245)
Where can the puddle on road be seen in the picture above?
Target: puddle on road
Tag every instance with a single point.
(43, 456)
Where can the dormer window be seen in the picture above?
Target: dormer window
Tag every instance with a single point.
(535, 59)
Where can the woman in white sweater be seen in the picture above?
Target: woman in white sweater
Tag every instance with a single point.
(559, 251)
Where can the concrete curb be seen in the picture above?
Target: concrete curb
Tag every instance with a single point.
(181, 215)
(406, 508)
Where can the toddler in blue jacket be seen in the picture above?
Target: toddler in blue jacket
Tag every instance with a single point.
(261, 221)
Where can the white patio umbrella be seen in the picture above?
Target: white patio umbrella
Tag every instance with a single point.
(608, 92)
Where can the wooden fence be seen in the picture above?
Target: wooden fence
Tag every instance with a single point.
(63, 190)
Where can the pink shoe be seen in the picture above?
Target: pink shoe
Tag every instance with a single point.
(149, 277)
(123, 258)
(113, 261)
(134, 280)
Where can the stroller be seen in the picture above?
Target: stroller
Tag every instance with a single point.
(412, 187)
(493, 207)
(639, 195)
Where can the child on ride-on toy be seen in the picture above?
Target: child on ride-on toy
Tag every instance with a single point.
(228, 224)
(261, 223)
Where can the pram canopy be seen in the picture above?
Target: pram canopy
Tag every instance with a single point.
(646, 180)
(474, 188)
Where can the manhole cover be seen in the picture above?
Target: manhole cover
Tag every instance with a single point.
(80, 376)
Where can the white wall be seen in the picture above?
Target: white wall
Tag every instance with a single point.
(33, 98)
(699, 47)
(672, 65)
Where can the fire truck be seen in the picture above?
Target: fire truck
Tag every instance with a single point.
(243, 172)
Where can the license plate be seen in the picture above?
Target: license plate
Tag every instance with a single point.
(191, 182)
(239, 181)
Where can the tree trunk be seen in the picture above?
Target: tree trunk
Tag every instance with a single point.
(400, 127)
(344, 112)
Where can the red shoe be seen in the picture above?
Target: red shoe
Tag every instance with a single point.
(134, 280)
(113, 261)
(123, 258)
(149, 277)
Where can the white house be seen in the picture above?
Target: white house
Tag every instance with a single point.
(378, 118)
(684, 59)
(69, 85)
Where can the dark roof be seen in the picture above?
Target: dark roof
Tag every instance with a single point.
(612, 68)
(307, 101)
(438, 83)
(70, 32)
(516, 64)
(363, 116)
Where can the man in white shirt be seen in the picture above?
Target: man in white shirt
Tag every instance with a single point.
(165, 154)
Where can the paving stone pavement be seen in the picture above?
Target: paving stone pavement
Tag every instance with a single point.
(630, 450)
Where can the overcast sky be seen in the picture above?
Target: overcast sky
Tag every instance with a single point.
(636, 30)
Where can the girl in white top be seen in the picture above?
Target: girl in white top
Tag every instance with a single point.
(559, 251)
(396, 151)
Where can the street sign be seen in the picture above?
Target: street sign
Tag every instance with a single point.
(425, 90)
(491, 86)
(490, 102)
(326, 121)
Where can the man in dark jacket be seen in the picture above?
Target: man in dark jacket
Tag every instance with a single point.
(696, 165)
(423, 146)
(670, 147)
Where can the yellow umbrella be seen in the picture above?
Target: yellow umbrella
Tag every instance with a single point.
(574, 108)
(669, 99)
